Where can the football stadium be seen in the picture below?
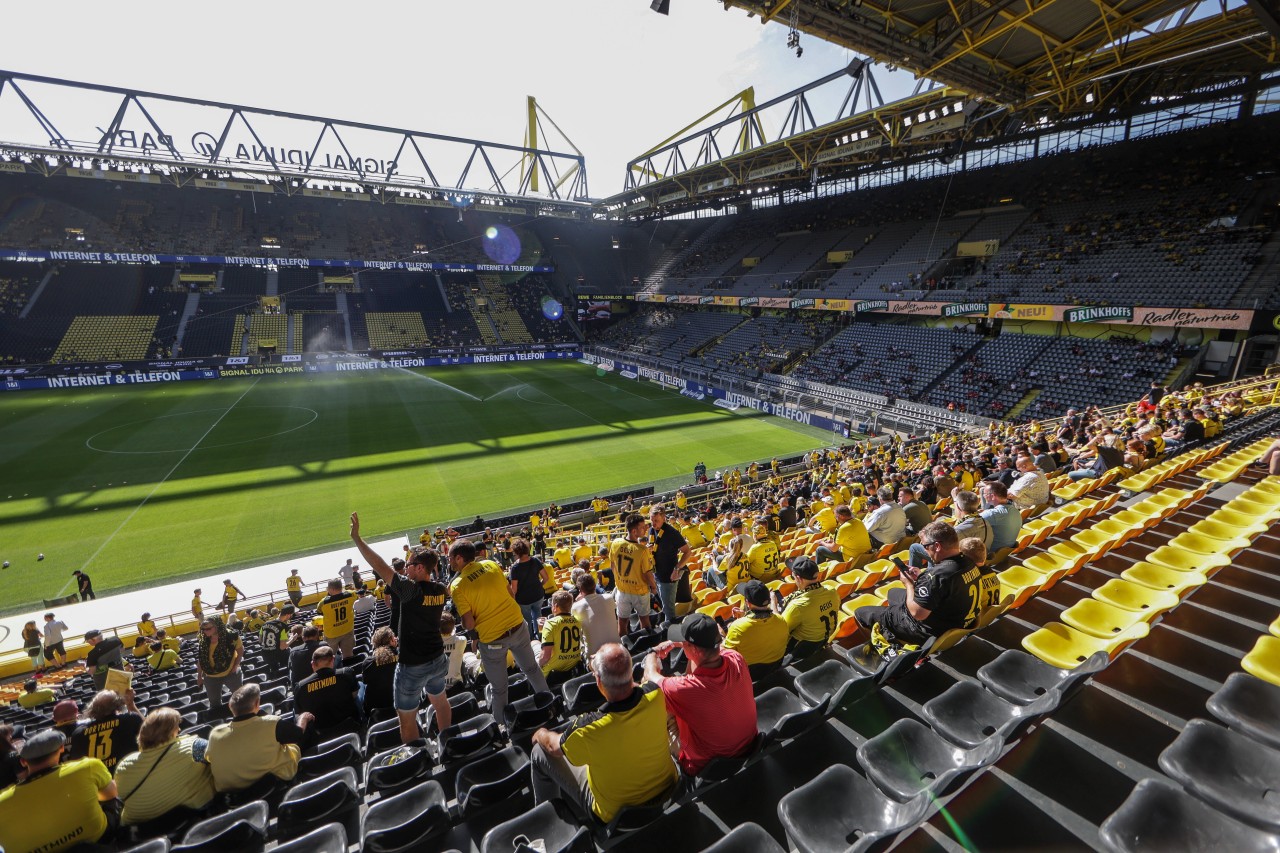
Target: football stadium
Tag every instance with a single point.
(865, 472)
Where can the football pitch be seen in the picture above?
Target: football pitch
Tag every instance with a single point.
(143, 484)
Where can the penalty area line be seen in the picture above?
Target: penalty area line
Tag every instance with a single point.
(166, 477)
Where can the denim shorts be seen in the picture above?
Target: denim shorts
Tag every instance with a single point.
(410, 681)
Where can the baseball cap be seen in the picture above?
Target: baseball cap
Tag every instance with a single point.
(65, 711)
(89, 635)
(737, 522)
(755, 592)
(42, 744)
(697, 628)
(803, 567)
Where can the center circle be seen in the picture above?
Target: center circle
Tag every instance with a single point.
(182, 431)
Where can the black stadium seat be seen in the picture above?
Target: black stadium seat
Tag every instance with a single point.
(1250, 706)
(864, 816)
(780, 715)
(1159, 816)
(1231, 772)
(406, 821)
(242, 829)
(967, 715)
(398, 768)
(330, 838)
(489, 780)
(308, 805)
(541, 822)
(746, 838)
(908, 759)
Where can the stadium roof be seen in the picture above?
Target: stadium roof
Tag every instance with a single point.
(1022, 53)
(989, 70)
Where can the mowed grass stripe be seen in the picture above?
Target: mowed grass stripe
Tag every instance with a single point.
(404, 451)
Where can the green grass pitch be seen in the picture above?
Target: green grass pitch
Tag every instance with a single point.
(143, 484)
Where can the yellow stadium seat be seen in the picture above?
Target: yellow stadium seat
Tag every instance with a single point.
(857, 578)
(719, 609)
(865, 600)
(1263, 659)
(1176, 558)
(1217, 528)
(782, 587)
(882, 591)
(1045, 563)
(707, 595)
(1097, 541)
(1163, 578)
(844, 590)
(846, 627)
(1243, 520)
(1274, 627)
(1066, 648)
(1134, 596)
(1103, 620)
(1018, 584)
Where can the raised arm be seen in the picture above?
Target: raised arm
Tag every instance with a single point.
(379, 565)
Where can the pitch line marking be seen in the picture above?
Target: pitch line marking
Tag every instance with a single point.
(166, 477)
(559, 402)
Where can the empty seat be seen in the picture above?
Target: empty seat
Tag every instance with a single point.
(241, 829)
(780, 715)
(464, 706)
(1263, 660)
(330, 838)
(907, 759)
(155, 845)
(541, 823)
(1234, 773)
(1064, 646)
(399, 768)
(581, 694)
(490, 780)
(1250, 706)
(332, 797)
(863, 816)
(530, 712)
(329, 756)
(746, 838)
(966, 714)
(469, 739)
(405, 821)
(1023, 678)
(834, 685)
(1159, 816)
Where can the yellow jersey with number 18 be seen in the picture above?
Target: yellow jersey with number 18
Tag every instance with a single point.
(630, 561)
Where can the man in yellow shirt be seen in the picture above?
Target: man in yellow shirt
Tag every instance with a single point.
(812, 612)
(482, 597)
(293, 585)
(230, 595)
(582, 551)
(852, 539)
(146, 627)
(692, 535)
(763, 560)
(162, 658)
(339, 614)
(617, 756)
(632, 565)
(58, 806)
(561, 652)
(197, 607)
(761, 635)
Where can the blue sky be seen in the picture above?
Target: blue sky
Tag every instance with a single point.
(616, 77)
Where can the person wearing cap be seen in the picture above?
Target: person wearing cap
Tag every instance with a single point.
(167, 772)
(33, 695)
(760, 636)
(107, 653)
(482, 599)
(111, 732)
(671, 554)
(57, 806)
(812, 612)
(712, 703)
(616, 756)
(946, 595)
(851, 539)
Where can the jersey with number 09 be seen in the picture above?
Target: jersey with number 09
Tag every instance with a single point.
(764, 562)
(812, 614)
(564, 635)
(339, 615)
(630, 561)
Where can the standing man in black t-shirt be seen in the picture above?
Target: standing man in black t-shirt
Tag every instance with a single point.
(84, 585)
(422, 663)
(107, 653)
(670, 554)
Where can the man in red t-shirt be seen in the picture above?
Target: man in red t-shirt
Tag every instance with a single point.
(713, 705)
